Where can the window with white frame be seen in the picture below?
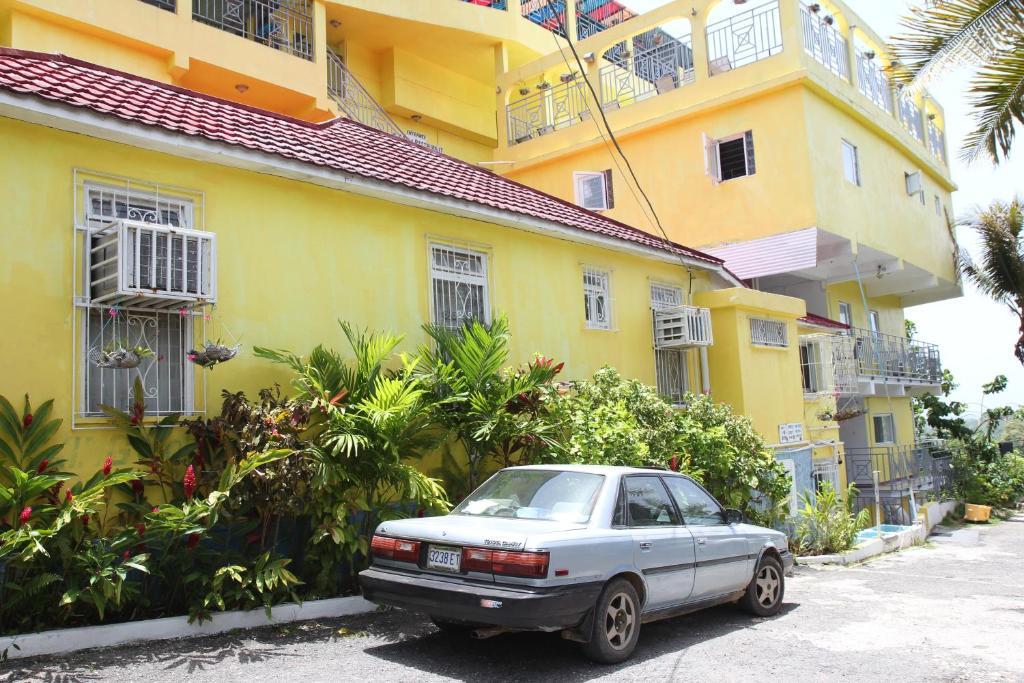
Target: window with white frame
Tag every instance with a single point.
(825, 472)
(812, 368)
(885, 428)
(766, 332)
(166, 377)
(851, 162)
(597, 299)
(458, 286)
(915, 185)
(670, 365)
(845, 313)
(729, 157)
(874, 321)
(594, 190)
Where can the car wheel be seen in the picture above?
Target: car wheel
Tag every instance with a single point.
(765, 592)
(616, 624)
(452, 628)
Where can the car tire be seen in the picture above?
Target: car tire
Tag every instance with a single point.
(766, 590)
(616, 626)
(453, 628)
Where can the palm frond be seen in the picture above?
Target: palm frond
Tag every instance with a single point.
(997, 97)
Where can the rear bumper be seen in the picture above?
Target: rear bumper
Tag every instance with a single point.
(526, 608)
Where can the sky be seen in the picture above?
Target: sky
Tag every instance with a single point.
(975, 335)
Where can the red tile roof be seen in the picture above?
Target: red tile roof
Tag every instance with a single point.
(821, 321)
(340, 144)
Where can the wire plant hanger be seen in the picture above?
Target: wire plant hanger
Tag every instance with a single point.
(214, 352)
(117, 354)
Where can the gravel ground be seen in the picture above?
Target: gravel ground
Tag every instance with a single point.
(951, 610)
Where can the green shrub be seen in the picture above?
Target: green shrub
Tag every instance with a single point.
(826, 523)
(984, 476)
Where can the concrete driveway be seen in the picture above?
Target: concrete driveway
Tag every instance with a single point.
(951, 610)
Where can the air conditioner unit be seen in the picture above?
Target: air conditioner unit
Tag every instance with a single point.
(678, 326)
(148, 265)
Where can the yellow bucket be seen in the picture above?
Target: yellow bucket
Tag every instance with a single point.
(977, 513)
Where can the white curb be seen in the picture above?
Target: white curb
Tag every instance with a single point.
(66, 640)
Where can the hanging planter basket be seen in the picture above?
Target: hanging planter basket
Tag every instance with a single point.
(119, 357)
(213, 353)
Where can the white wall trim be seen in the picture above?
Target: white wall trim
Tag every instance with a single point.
(63, 641)
(86, 122)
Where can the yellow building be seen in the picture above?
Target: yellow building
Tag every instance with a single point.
(766, 133)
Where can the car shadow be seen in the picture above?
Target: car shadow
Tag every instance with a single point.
(515, 655)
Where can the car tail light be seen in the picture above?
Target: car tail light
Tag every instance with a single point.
(477, 560)
(395, 549)
(530, 565)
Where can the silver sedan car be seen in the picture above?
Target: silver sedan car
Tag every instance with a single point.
(590, 551)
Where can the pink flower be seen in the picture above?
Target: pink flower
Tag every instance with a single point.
(42, 466)
(155, 509)
(189, 482)
(112, 312)
(108, 464)
(25, 515)
(183, 312)
(191, 356)
(26, 421)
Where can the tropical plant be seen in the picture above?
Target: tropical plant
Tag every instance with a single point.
(985, 34)
(826, 523)
(492, 410)
(1000, 272)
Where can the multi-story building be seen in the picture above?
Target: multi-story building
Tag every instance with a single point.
(767, 133)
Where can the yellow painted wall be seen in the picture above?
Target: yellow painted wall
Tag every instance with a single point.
(293, 259)
(890, 309)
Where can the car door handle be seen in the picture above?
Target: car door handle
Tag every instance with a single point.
(646, 546)
(701, 541)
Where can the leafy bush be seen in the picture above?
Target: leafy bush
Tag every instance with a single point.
(826, 524)
(984, 476)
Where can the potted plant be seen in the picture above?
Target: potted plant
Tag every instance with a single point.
(213, 353)
(117, 356)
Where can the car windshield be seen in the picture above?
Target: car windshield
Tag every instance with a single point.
(551, 495)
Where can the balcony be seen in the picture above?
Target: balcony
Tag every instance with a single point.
(872, 81)
(910, 117)
(651, 72)
(548, 110)
(169, 5)
(823, 42)
(923, 468)
(151, 266)
(743, 39)
(681, 327)
(862, 362)
(285, 25)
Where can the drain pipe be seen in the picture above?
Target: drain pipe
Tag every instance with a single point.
(878, 503)
(705, 374)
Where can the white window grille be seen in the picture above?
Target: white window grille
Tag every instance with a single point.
(594, 190)
(671, 374)
(885, 428)
(825, 472)
(459, 286)
(665, 296)
(827, 364)
(765, 332)
(851, 162)
(729, 157)
(597, 299)
(142, 263)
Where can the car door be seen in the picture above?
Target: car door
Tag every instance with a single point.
(663, 548)
(724, 563)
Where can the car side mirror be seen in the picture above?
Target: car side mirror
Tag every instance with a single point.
(733, 516)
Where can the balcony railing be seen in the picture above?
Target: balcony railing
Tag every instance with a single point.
(910, 117)
(549, 14)
(353, 99)
(682, 326)
(823, 42)
(652, 72)
(285, 25)
(493, 4)
(936, 141)
(149, 265)
(827, 365)
(550, 109)
(886, 356)
(744, 39)
(873, 83)
(169, 5)
(902, 468)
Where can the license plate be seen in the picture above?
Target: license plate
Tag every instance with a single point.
(444, 557)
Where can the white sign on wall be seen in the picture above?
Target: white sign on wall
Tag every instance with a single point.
(791, 432)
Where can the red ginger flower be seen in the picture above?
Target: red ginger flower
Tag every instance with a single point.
(189, 482)
(193, 541)
(108, 464)
(138, 486)
(68, 496)
(85, 520)
(155, 509)
(126, 554)
(141, 528)
(26, 421)
(25, 515)
(42, 466)
(673, 464)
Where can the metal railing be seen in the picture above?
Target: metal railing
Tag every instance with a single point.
(285, 25)
(910, 117)
(550, 109)
(549, 14)
(936, 141)
(655, 71)
(493, 4)
(873, 83)
(924, 468)
(169, 5)
(827, 365)
(354, 100)
(765, 332)
(150, 265)
(890, 357)
(682, 326)
(823, 42)
(744, 39)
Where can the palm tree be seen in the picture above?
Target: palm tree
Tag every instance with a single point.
(1000, 272)
(988, 34)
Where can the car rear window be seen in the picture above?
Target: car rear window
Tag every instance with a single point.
(552, 495)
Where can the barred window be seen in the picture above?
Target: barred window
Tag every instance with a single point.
(458, 283)
(665, 296)
(596, 299)
(670, 370)
(765, 332)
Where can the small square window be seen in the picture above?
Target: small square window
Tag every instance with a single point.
(851, 163)
(594, 190)
(596, 299)
(730, 157)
